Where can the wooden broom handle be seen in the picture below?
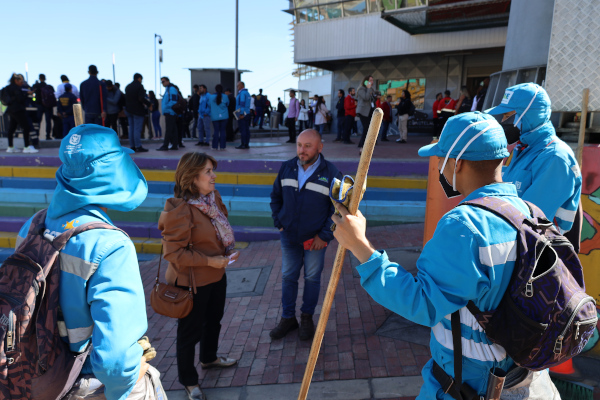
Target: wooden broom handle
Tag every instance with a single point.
(78, 114)
(359, 182)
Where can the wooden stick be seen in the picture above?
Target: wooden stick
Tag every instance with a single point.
(78, 114)
(583, 123)
(359, 182)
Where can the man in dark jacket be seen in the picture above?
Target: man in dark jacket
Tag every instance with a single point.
(302, 212)
(113, 99)
(260, 104)
(44, 110)
(122, 116)
(230, 109)
(93, 94)
(136, 106)
(65, 109)
(16, 110)
(341, 114)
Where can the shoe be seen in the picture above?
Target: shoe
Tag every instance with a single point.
(205, 144)
(285, 326)
(181, 145)
(194, 393)
(385, 139)
(348, 142)
(48, 138)
(140, 150)
(198, 144)
(291, 141)
(162, 148)
(241, 147)
(215, 148)
(307, 327)
(174, 148)
(220, 362)
(338, 140)
(30, 149)
(400, 141)
(12, 150)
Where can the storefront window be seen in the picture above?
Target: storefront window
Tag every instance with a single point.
(331, 11)
(373, 6)
(416, 88)
(304, 3)
(354, 7)
(412, 3)
(389, 4)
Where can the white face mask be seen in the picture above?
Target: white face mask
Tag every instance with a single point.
(462, 151)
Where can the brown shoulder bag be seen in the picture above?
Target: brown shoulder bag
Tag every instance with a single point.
(172, 301)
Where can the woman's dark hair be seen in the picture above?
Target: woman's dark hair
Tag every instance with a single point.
(188, 168)
(219, 90)
(366, 79)
(342, 92)
(14, 77)
(152, 95)
(406, 94)
(319, 102)
(303, 103)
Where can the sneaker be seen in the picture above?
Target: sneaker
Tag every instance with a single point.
(12, 150)
(385, 139)
(30, 149)
(285, 326)
(307, 327)
(220, 362)
(241, 147)
(400, 141)
(199, 144)
(181, 145)
(140, 150)
(162, 148)
(194, 393)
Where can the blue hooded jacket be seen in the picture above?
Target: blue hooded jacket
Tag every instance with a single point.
(243, 101)
(218, 112)
(543, 168)
(169, 100)
(101, 293)
(204, 108)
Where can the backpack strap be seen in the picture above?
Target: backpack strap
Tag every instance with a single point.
(61, 241)
(457, 344)
(501, 208)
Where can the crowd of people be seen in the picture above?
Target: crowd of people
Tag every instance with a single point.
(100, 271)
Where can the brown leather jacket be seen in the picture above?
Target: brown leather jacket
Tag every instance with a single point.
(189, 238)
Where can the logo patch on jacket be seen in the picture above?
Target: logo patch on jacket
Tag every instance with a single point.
(70, 224)
(324, 179)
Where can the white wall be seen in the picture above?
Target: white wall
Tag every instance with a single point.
(320, 85)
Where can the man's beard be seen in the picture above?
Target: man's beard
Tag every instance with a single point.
(312, 160)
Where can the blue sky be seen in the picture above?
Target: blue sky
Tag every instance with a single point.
(64, 37)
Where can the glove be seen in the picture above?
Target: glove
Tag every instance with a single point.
(341, 192)
(149, 351)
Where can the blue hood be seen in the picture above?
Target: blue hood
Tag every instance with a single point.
(518, 97)
(96, 170)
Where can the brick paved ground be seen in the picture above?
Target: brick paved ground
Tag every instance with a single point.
(350, 350)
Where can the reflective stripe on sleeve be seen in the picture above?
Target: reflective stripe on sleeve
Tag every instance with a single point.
(498, 254)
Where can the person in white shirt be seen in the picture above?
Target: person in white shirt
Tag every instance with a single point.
(320, 115)
(60, 89)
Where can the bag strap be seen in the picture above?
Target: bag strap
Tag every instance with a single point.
(192, 281)
(457, 343)
(61, 241)
(501, 208)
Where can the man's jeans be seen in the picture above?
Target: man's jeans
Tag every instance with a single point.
(340, 128)
(293, 258)
(204, 129)
(136, 123)
(68, 124)
(243, 124)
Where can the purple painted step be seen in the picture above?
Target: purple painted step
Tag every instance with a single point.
(377, 168)
(150, 230)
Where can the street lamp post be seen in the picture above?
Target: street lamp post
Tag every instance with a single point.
(236, 47)
(159, 42)
(114, 76)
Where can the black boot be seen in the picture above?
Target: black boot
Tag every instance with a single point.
(285, 325)
(307, 327)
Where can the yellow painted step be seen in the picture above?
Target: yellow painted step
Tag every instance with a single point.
(222, 177)
(8, 239)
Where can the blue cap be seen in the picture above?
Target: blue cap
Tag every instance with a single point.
(96, 170)
(458, 132)
(520, 98)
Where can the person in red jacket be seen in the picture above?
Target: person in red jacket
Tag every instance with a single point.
(386, 107)
(350, 110)
(436, 126)
(445, 109)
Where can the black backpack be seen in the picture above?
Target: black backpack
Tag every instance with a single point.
(181, 105)
(5, 98)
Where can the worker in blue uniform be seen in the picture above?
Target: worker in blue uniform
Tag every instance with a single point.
(542, 166)
(471, 256)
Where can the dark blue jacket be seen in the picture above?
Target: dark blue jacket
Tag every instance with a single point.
(306, 211)
(65, 103)
(89, 94)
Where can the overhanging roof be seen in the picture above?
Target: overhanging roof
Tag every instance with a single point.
(219, 69)
(450, 15)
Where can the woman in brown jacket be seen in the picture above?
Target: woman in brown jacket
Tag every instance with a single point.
(197, 236)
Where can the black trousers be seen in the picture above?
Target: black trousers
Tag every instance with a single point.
(291, 125)
(202, 325)
(171, 133)
(111, 122)
(348, 124)
(47, 113)
(18, 118)
(229, 129)
(365, 128)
